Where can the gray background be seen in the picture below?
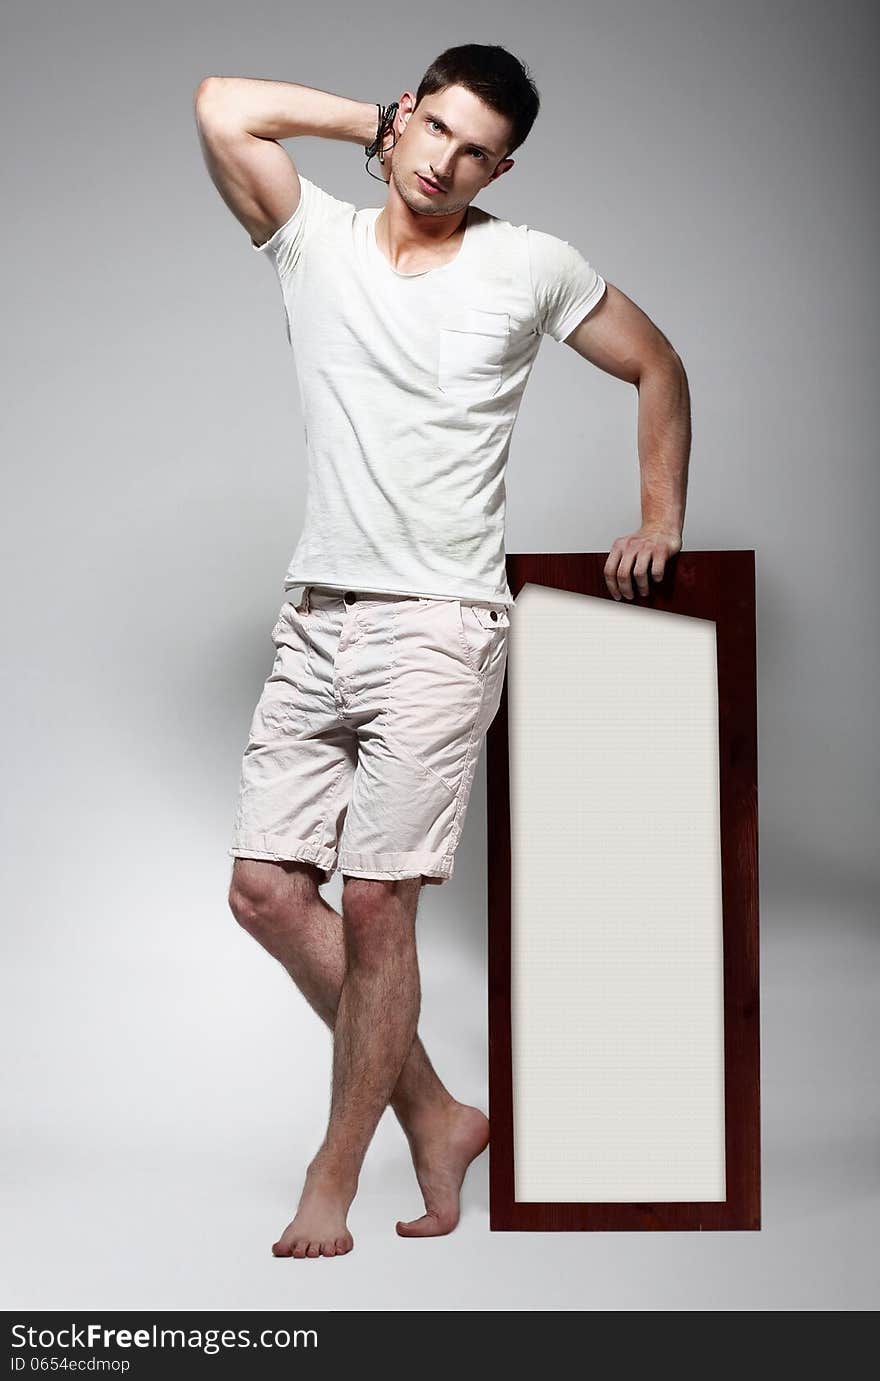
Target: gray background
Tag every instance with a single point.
(165, 1083)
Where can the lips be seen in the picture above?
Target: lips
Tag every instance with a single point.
(432, 186)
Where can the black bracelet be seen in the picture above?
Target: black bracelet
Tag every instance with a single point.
(384, 124)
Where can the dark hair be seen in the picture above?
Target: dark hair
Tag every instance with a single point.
(499, 79)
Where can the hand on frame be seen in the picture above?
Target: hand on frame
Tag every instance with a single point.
(646, 550)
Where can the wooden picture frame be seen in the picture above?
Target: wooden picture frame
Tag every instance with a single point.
(614, 1126)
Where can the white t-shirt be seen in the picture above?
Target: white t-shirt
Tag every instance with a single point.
(410, 385)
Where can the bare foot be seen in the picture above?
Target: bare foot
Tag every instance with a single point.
(319, 1228)
(442, 1149)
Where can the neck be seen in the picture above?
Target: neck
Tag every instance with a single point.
(413, 242)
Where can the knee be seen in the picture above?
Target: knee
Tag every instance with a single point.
(263, 896)
(253, 904)
(256, 895)
(378, 913)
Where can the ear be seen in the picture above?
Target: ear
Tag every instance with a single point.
(405, 108)
(503, 167)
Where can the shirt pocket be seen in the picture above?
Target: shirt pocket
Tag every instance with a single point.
(472, 350)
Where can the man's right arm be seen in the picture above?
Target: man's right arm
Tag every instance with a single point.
(240, 120)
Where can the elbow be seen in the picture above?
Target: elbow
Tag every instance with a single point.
(204, 86)
(666, 362)
(677, 362)
(208, 92)
(203, 94)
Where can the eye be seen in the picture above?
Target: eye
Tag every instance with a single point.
(432, 121)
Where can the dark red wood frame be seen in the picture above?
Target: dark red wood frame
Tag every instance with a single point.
(716, 585)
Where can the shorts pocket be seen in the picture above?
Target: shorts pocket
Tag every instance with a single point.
(292, 610)
(481, 630)
(297, 598)
(473, 345)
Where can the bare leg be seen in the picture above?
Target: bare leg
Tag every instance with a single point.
(280, 905)
(376, 1021)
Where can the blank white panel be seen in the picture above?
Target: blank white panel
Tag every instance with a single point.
(617, 999)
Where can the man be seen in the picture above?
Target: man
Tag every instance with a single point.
(414, 328)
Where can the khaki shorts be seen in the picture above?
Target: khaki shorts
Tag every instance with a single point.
(365, 740)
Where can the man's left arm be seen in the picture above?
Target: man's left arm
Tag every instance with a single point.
(619, 338)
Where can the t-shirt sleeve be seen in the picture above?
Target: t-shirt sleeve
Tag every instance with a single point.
(565, 284)
(315, 209)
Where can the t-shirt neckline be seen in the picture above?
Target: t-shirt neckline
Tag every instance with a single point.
(423, 273)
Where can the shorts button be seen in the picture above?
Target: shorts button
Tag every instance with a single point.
(350, 596)
(495, 615)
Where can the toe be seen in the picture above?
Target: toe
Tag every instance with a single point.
(313, 1249)
(431, 1224)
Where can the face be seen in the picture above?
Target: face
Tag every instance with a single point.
(452, 139)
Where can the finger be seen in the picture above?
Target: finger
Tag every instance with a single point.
(624, 573)
(640, 571)
(610, 572)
